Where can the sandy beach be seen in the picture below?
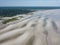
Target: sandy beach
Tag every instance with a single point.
(42, 27)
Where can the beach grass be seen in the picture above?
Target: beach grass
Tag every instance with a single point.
(9, 20)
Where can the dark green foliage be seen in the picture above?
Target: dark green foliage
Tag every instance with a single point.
(8, 20)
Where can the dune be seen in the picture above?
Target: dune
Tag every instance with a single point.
(38, 28)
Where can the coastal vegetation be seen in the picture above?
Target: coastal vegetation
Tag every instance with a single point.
(9, 20)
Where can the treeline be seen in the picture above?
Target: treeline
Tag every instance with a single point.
(13, 11)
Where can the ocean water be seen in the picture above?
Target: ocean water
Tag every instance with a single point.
(12, 11)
